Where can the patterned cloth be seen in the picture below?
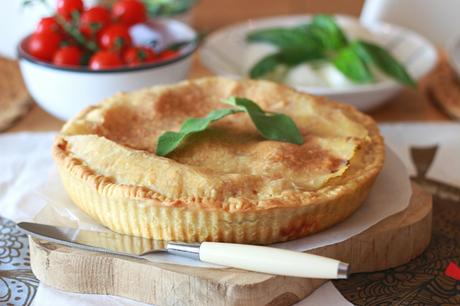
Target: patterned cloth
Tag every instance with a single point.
(17, 282)
(422, 281)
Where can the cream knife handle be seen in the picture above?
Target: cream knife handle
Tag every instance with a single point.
(272, 260)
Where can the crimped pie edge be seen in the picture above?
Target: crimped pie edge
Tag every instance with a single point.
(90, 192)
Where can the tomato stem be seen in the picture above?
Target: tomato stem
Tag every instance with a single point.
(76, 34)
(69, 28)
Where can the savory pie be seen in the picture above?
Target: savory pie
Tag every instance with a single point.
(226, 183)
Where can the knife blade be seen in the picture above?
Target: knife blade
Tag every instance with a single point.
(247, 257)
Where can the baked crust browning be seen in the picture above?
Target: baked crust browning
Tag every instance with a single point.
(226, 184)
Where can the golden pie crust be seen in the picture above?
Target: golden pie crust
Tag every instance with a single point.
(227, 183)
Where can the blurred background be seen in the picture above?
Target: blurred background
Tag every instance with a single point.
(211, 14)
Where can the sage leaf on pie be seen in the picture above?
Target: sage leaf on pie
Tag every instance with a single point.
(273, 126)
(374, 54)
(169, 141)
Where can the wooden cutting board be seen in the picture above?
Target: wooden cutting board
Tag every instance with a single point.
(391, 242)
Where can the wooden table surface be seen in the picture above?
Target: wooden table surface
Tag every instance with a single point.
(410, 105)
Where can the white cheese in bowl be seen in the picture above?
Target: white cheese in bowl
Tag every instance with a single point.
(333, 76)
(305, 75)
(318, 73)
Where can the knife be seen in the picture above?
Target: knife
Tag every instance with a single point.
(242, 256)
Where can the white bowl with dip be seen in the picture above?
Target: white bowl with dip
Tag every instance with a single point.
(225, 52)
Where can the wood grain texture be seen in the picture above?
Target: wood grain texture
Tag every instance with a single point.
(391, 242)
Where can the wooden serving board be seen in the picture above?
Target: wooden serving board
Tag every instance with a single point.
(391, 242)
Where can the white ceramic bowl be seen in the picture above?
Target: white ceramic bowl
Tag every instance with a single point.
(223, 51)
(63, 91)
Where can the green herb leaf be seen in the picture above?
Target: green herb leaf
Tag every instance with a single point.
(321, 34)
(324, 39)
(272, 126)
(352, 66)
(295, 37)
(289, 57)
(295, 56)
(377, 55)
(169, 141)
(264, 66)
(297, 44)
(326, 30)
(27, 2)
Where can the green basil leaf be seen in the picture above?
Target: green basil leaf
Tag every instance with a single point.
(295, 56)
(272, 126)
(352, 66)
(383, 59)
(264, 66)
(289, 57)
(169, 141)
(284, 37)
(326, 30)
(321, 34)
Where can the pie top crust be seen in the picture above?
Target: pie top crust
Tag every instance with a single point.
(230, 166)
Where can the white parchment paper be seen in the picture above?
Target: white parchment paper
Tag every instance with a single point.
(33, 192)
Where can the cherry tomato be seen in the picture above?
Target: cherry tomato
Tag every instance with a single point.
(105, 60)
(66, 8)
(115, 37)
(129, 12)
(43, 45)
(168, 54)
(48, 24)
(94, 20)
(68, 56)
(139, 55)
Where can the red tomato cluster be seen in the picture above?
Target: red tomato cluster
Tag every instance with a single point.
(96, 37)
